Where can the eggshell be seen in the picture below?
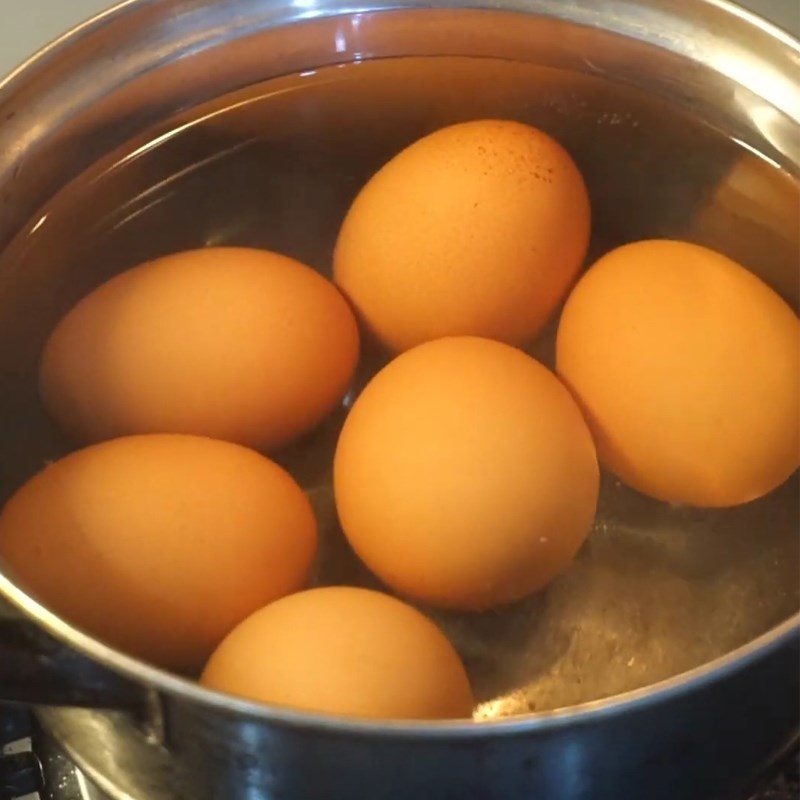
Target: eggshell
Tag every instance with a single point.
(233, 343)
(688, 369)
(465, 475)
(159, 544)
(479, 228)
(345, 651)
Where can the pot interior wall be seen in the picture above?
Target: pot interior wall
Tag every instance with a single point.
(658, 589)
(669, 148)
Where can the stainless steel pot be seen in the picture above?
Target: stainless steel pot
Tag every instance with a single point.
(147, 735)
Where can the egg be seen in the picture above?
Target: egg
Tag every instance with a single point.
(688, 369)
(159, 544)
(465, 475)
(344, 651)
(232, 343)
(479, 229)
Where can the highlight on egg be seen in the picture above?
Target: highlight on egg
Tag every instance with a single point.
(479, 228)
(234, 343)
(343, 651)
(465, 475)
(687, 367)
(159, 544)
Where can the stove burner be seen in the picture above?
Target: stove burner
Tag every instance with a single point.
(32, 768)
(20, 771)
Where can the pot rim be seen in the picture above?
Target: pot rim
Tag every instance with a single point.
(62, 43)
(155, 678)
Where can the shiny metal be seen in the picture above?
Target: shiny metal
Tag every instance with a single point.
(38, 668)
(693, 736)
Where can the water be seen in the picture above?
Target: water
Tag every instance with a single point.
(656, 590)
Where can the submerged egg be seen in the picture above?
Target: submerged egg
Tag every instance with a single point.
(479, 228)
(159, 544)
(688, 369)
(465, 475)
(341, 650)
(234, 343)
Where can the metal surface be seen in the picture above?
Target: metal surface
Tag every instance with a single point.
(36, 666)
(34, 767)
(703, 743)
(30, 24)
(653, 585)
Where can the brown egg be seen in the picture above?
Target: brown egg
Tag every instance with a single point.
(159, 544)
(237, 344)
(340, 650)
(479, 228)
(688, 368)
(465, 475)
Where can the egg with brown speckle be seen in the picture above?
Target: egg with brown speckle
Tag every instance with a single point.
(479, 228)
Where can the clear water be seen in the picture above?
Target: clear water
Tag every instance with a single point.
(656, 590)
